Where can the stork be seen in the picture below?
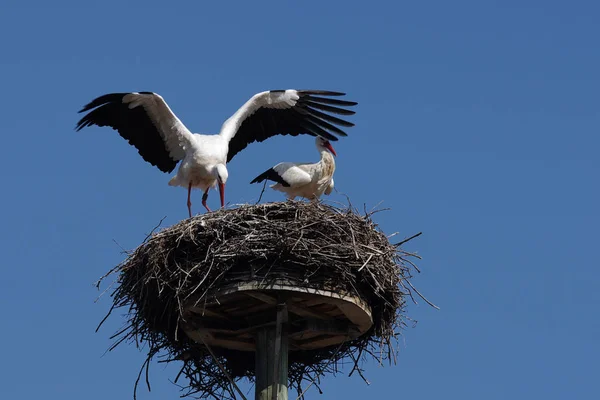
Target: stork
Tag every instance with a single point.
(303, 179)
(145, 120)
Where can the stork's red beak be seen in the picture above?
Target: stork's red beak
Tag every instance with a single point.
(329, 147)
(222, 193)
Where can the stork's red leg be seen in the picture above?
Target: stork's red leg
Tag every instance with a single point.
(189, 203)
(204, 197)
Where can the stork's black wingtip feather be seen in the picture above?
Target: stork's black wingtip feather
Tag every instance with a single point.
(85, 108)
(82, 123)
(327, 100)
(260, 177)
(271, 175)
(321, 92)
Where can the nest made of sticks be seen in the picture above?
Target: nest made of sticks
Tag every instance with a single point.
(329, 245)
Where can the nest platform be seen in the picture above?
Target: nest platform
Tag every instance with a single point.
(197, 292)
(317, 318)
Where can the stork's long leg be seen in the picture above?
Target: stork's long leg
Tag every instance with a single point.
(204, 197)
(189, 202)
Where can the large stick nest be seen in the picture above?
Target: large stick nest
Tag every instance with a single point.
(326, 246)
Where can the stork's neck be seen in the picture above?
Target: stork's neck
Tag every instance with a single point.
(327, 166)
(326, 156)
(324, 169)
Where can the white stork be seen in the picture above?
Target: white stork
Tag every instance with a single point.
(304, 179)
(145, 120)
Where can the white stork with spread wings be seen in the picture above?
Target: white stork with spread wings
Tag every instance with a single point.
(145, 120)
(308, 180)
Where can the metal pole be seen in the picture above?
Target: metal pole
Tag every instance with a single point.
(272, 359)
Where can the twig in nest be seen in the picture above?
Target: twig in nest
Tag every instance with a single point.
(146, 365)
(366, 262)
(423, 297)
(153, 229)
(358, 369)
(222, 369)
(123, 251)
(261, 193)
(406, 240)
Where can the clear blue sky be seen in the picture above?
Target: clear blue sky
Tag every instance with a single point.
(478, 123)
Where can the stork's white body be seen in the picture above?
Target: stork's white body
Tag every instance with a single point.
(198, 165)
(308, 180)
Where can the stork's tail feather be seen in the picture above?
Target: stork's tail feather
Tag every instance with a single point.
(271, 175)
(176, 181)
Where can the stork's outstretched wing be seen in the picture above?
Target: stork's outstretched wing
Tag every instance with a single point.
(286, 112)
(145, 120)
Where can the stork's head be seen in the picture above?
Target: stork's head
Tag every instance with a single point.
(221, 174)
(323, 144)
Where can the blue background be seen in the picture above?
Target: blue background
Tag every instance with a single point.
(477, 124)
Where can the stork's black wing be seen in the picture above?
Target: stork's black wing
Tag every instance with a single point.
(133, 124)
(310, 115)
(271, 175)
